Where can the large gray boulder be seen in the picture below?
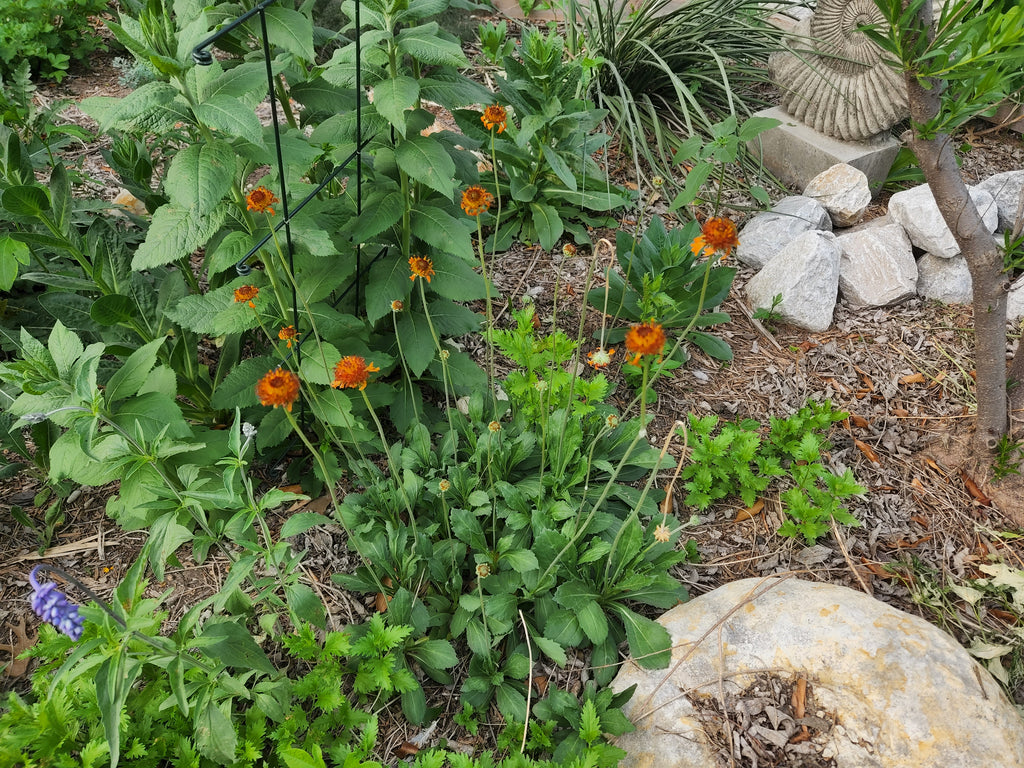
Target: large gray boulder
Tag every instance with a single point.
(877, 266)
(844, 192)
(903, 693)
(1006, 189)
(946, 280)
(768, 233)
(806, 274)
(917, 211)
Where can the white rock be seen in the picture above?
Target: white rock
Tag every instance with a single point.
(768, 233)
(903, 693)
(806, 273)
(1006, 189)
(947, 280)
(916, 210)
(877, 266)
(1015, 301)
(844, 192)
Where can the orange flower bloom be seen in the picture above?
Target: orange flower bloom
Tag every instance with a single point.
(352, 371)
(600, 358)
(279, 387)
(717, 235)
(289, 334)
(476, 200)
(421, 266)
(260, 200)
(246, 293)
(494, 115)
(645, 339)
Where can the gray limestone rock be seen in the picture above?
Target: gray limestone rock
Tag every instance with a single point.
(768, 233)
(904, 693)
(946, 280)
(877, 266)
(844, 192)
(1015, 301)
(1006, 189)
(806, 274)
(916, 210)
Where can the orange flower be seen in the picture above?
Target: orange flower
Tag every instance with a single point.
(717, 235)
(494, 115)
(645, 339)
(398, 305)
(289, 334)
(421, 266)
(260, 200)
(600, 358)
(279, 387)
(246, 293)
(476, 200)
(662, 533)
(352, 371)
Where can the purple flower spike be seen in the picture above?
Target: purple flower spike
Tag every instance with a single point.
(52, 606)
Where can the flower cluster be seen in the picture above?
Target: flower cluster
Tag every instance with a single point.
(279, 387)
(52, 606)
(645, 339)
(247, 293)
(352, 371)
(421, 266)
(494, 116)
(288, 334)
(476, 200)
(260, 200)
(718, 235)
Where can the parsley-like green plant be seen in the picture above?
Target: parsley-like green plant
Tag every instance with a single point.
(48, 34)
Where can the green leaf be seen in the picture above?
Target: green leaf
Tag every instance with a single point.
(200, 175)
(65, 348)
(215, 735)
(238, 390)
(559, 166)
(114, 308)
(455, 279)
(425, 44)
(441, 230)
(214, 313)
(290, 30)
(551, 649)
(548, 224)
(138, 106)
(133, 373)
(228, 114)
(113, 681)
(304, 603)
(436, 654)
(451, 319)
(175, 233)
(650, 644)
(417, 342)
(300, 758)
(426, 161)
(378, 215)
(301, 522)
(231, 644)
(592, 621)
(392, 98)
(25, 200)
(241, 81)
(12, 253)
(165, 536)
(152, 413)
(520, 560)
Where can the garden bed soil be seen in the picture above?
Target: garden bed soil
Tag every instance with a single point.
(930, 514)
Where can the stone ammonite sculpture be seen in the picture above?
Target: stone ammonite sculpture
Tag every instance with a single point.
(841, 87)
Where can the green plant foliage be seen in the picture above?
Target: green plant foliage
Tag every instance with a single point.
(48, 34)
(662, 280)
(737, 462)
(495, 42)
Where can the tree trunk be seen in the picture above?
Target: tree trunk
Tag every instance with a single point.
(978, 247)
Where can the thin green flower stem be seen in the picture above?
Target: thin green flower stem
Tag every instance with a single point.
(330, 490)
(447, 525)
(590, 465)
(405, 367)
(483, 611)
(443, 357)
(490, 312)
(391, 466)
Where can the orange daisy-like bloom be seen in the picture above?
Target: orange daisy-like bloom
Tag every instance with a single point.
(600, 358)
(260, 200)
(288, 334)
(476, 200)
(494, 115)
(246, 293)
(279, 387)
(421, 266)
(645, 339)
(352, 371)
(662, 533)
(717, 235)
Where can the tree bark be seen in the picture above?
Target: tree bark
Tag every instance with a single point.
(981, 251)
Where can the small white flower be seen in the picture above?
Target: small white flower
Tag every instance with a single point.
(248, 430)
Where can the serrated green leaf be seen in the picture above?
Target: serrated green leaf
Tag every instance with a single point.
(200, 175)
(238, 390)
(417, 342)
(291, 30)
(25, 200)
(425, 44)
(548, 224)
(215, 735)
(650, 644)
(426, 161)
(133, 373)
(393, 97)
(214, 313)
(441, 230)
(175, 233)
(229, 115)
(301, 522)
(378, 215)
(231, 644)
(65, 348)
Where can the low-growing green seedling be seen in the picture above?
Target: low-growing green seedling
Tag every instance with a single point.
(494, 42)
(1008, 458)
